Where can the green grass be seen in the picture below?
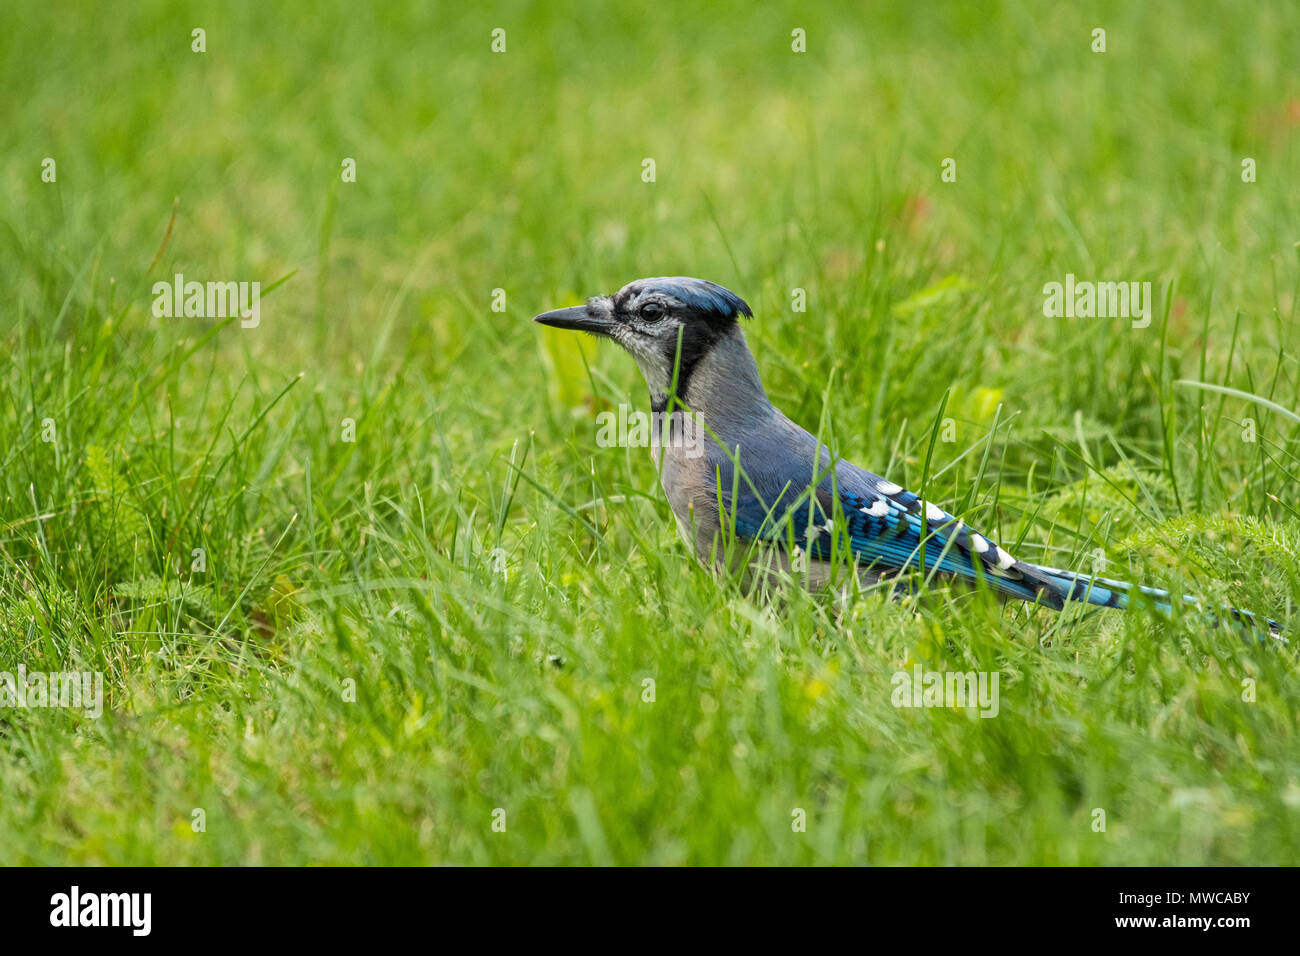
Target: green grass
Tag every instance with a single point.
(494, 586)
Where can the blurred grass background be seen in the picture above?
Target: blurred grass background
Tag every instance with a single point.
(474, 537)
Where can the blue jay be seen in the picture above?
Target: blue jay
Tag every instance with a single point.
(787, 496)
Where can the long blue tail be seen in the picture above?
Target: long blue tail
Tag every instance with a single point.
(1107, 592)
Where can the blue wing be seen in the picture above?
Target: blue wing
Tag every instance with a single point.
(884, 531)
(884, 526)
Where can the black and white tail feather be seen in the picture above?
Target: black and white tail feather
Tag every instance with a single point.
(886, 529)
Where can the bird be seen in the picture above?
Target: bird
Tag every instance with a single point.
(774, 487)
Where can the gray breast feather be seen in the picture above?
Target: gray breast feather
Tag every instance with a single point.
(776, 458)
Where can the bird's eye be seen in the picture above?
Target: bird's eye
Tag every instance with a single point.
(652, 311)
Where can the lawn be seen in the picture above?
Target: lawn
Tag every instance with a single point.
(359, 582)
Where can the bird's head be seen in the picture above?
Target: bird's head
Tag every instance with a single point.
(667, 324)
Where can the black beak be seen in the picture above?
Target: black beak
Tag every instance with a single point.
(578, 318)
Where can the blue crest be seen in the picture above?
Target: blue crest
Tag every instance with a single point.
(699, 295)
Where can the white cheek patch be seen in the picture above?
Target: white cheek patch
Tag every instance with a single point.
(651, 370)
(649, 355)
